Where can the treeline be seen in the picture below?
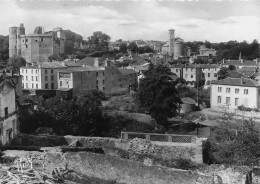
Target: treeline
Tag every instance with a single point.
(230, 49)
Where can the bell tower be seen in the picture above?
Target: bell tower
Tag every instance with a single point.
(171, 42)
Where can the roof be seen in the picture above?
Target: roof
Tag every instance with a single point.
(248, 71)
(194, 66)
(237, 82)
(71, 63)
(240, 63)
(188, 100)
(45, 65)
(91, 61)
(76, 69)
(126, 71)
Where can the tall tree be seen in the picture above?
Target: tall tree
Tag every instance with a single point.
(16, 62)
(157, 94)
(123, 48)
(99, 41)
(133, 47)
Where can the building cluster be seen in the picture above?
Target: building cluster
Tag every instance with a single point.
(36, 47)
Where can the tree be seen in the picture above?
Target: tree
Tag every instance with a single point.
(16, 62)
(225, 72)
(157, 94)
(145, 49)
(123, 48)
(99, 41)
(133, 47)
(72, 41)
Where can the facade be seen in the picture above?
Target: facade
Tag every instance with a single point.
(76, 79)
(230, 93)
(127, 78)
(178, 48)
(192, 74)
(8, 116)
(210, 72)
(36, 47)
(207, 51)
(171, 42)
(41, 76)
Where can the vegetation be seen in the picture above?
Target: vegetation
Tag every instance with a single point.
(230, 71)
(158, 95)
(133, 47)
(4, 48)
(16, 62)
(98, 41)
(236, 145)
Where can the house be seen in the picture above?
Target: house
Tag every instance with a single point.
(73, 80)
(127, 78)
(188, 105)
(229, 93)
(192, 74)
(241, 63)
(8, 115)
(40, 76)
(210, 72)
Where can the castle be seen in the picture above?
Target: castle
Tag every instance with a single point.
(36, 47)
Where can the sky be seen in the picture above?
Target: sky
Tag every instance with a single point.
(200, 20)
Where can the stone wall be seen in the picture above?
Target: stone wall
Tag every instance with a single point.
(158, 149)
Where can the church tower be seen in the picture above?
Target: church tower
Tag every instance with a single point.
(171, 42)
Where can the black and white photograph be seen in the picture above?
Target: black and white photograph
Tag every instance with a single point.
(129, 92)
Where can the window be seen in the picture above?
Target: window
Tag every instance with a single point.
(103, 73)
(31, 71)
(36, 71)
(26, 78)
(236, 101)
(51, 71)
(219, 99)
(46, 78)
(60, 83)
(36, 86)
(97, 82)
(228, 100)
(36, 78)
(32, 86)
(46, 71)
(39, 45)
(209, 69)
(236, 90)
(245, 91)
(22, 70)
(26, 70)
(208, 74)
(227, 90)
(26, 40)
(52, 77)
(41, 39)
(26, 85)
(97, 74)
(103, 81)
(35, 40)
(32, 78)
(6, 112)
(219, 89)
(26, 46)
(103, 88)
(215, 75)
(191, 75)
(176, 70)
(23, 85)
(46, 86)
(52, 85)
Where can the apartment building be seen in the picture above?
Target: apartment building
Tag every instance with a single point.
(8, 114)
(229, 93)
(41, 76)
(210, 72)
(192, 74)
(72, 81)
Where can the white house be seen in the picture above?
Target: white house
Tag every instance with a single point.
(229, 93)
(8, 115)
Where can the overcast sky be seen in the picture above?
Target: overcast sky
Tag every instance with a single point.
(215, 21)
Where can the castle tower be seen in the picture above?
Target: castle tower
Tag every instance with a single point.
(20, 31)
(171, 42)
(15, 40)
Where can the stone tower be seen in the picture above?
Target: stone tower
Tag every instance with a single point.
(171, 42)
(15, 40)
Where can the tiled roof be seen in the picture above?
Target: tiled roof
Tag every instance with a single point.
(188, 100)
(71, 63)
(77, 69)
(195, 66)
(236, 82)
(126, 71)
(244, 63)
(248, 71)
(45, 65)
(91, 61)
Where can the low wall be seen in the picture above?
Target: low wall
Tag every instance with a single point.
(165, 150)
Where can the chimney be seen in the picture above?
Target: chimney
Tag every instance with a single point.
(242, 80)
(4, 74)
(242, 61)
(96, 62)
(223, 61)
(107, 63)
